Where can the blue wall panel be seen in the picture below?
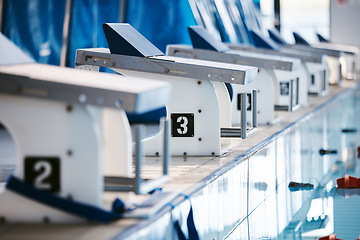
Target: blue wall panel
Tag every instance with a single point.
(36, 27)
(86, 24)
(162, 22)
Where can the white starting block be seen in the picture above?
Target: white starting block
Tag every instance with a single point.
(246, 22)
(316, 64)
(350, 60)
(55, 117)
(352, 56)
(278, 80)
(335, 58)
(346, 58)
(335, 61)
(199, 108)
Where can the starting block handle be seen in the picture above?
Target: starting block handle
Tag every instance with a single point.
(294, 105)
(167, 151)
(138, 184)
(253, 129)
(291, 105)
(243, 116)
(139, 135)
(254, 113)
(141, 186)
(243, 132)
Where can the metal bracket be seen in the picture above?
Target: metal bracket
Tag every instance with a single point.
(305, 56)
(138, 184)
(260, 60)
(293, 106)
(167, 65)
(323, 51)
(243, 132)
(296, 105)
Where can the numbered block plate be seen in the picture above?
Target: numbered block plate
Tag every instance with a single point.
(43, 173)
(182, 125)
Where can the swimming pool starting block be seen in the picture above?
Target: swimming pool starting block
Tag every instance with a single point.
(352, 55)
(335, 58)
(315, 64)
(346, 57)
(64, 152)
(279, 82)
(199, 109)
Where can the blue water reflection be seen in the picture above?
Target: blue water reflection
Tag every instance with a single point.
(276, 212)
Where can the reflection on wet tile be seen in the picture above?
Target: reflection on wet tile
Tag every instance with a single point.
(262, 180)
(240, 232)
(294, 156)
(263, 222)
(222, 204)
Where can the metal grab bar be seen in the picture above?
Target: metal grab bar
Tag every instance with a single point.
(293, 106)
(243, 132)
(138, 184)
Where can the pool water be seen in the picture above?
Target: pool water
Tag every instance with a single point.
(276, 211)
